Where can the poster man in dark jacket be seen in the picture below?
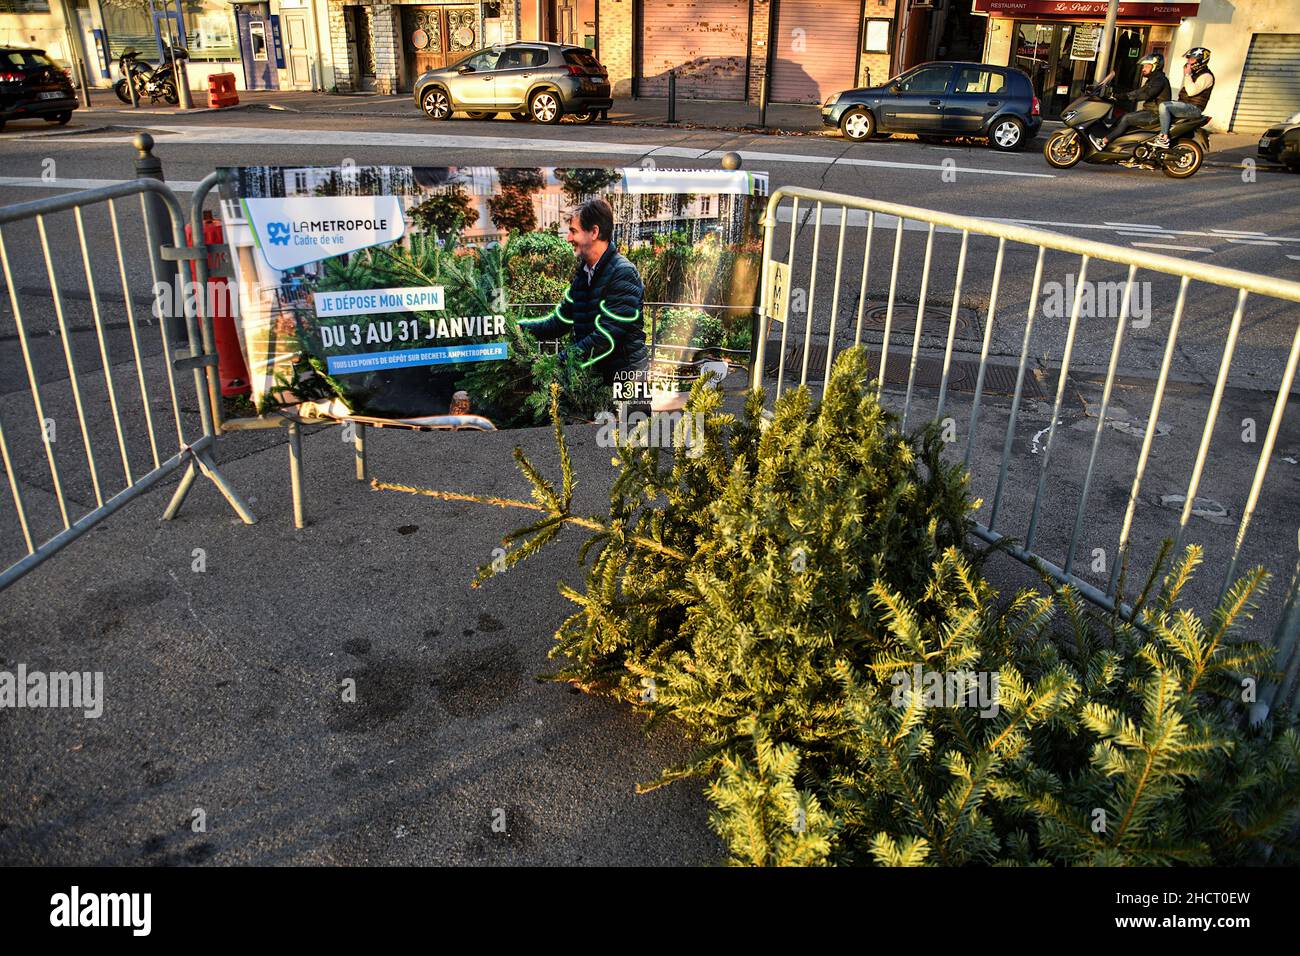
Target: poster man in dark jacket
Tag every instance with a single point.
(602, 307)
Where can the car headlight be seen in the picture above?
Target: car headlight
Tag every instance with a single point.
(830, 100)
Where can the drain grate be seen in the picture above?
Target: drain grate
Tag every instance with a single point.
(934, 320)
(963, 375)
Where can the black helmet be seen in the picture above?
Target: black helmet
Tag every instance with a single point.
(1198, 55)
(1157, 61)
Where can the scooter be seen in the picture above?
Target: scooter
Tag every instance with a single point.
(154, 82)
(1088, 116)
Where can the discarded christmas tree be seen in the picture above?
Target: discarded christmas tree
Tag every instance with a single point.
(796, 593)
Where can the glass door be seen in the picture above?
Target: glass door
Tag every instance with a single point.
(1060, 59)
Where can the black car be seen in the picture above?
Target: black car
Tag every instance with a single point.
(1281, 144)
(537, 81)
(945, 100)
(32, 85)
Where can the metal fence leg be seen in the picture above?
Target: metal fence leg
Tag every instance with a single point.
(295, 473)
(359, 447)
(213, 474)
(182, 490)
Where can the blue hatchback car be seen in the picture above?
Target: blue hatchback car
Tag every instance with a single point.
(942, 99)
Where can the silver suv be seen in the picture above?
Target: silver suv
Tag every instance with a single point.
(538, 81)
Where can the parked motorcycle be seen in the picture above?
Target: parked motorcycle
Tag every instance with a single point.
(154, 82)
(1092, 115)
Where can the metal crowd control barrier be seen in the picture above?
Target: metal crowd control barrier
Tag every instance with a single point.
(132, 415)
(774, 307)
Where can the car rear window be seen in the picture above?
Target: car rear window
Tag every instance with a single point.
(24, 58)
(581, 58)
(980, 81)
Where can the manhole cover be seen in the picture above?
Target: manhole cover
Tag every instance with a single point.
(934, 320)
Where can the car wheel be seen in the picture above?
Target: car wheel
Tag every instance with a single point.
(544, 107)
(435, 104)
(1183, 159)
(1007, 134)
(585, 119)
(479, 114)
(858, 124)
(1063, 150)
(520, 116)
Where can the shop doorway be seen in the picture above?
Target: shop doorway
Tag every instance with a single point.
(434, 37)
(297, 51)
(1060, 59)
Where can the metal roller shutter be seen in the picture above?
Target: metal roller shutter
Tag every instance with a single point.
(705, 41)
(816, 49)
(1270, 82)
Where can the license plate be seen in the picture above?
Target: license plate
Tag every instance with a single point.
(53, 95)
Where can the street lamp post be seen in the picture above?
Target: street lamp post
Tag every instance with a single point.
(1107, 41)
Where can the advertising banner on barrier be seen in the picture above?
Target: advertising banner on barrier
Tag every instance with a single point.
(408, 292)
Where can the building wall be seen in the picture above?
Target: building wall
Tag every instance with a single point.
(43, 30)
(337, 70)
(615, 42)
(1225, 27)
(761, 21)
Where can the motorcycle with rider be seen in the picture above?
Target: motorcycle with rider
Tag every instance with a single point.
(1161, 133)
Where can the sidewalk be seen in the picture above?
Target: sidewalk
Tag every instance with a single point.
(699, 114)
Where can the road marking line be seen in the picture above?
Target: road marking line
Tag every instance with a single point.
(1135, 225)
(1157, 235)
(1166, 245)
(265, 136)
(65, 182)
(1296, 258)
(1237, 232)
(1256, 242)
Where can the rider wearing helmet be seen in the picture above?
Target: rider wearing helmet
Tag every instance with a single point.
(1197, 83)
(1146, 98)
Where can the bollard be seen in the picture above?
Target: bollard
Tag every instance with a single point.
(158, 233)
(83, 75)
(731, 160)
(130, 86)
(182, 79)
(672, 96)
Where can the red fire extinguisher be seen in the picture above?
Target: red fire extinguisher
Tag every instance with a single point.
(231, 369)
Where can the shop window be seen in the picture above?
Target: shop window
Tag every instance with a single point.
(210, 30)
(129, 27)
(24, 6)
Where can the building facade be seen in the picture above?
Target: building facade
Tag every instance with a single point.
(272, 44)
(803, 50)
(1255, 46)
